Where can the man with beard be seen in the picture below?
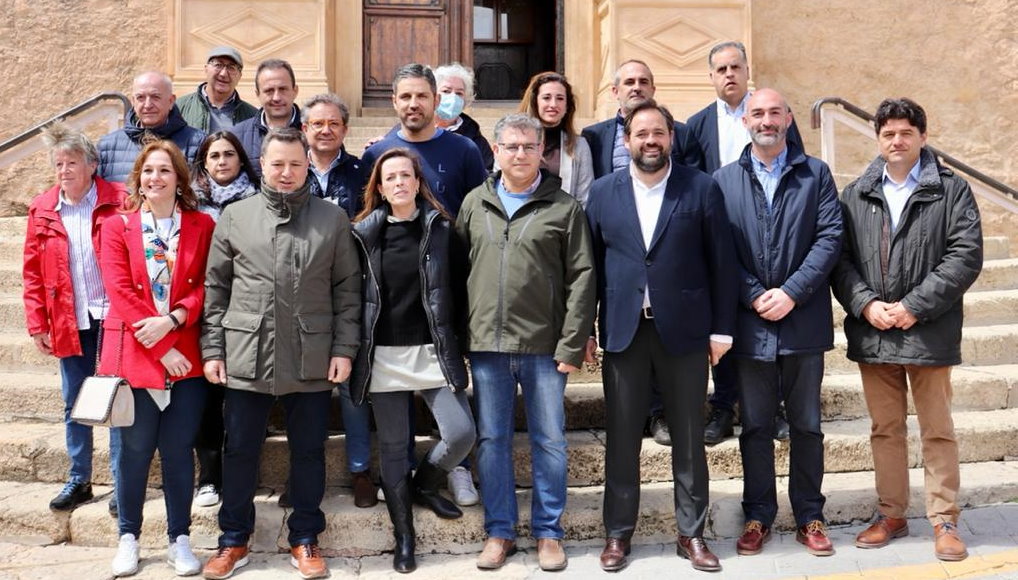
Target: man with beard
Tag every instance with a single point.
(667, 291)
(786, 223)
(452, 163)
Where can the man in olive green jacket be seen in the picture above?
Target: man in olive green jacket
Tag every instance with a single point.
(282, 320)
(531, 308)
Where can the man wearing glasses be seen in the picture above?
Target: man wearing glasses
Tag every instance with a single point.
(531, 307)
(338, 176)
(215, 105)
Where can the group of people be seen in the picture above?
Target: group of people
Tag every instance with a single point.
(249, 258)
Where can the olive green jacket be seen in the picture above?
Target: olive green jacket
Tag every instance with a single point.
(282, 292)
(531, 287)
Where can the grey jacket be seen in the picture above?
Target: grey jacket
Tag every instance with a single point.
(927, 263)
(282, 292)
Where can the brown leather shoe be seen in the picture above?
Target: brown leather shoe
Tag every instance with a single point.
(949, 547)
(225, 562)
(881, 532)
(550, 555)
(495, 551)
(365, 494)
(753, 538)
(308, 560)
(613, 557)
(696, 551)
(814, 536)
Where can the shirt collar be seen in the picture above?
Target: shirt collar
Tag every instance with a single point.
(502, 189)
(332, 165)
(293, 117)
(779, 162)
(738, 112)
(205, 97)
(638, 183)
(90, 198)
(911, 179)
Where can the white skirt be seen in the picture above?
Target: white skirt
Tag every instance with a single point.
(406, 368)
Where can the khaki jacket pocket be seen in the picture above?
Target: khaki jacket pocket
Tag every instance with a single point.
(315, 345)
(243, 337)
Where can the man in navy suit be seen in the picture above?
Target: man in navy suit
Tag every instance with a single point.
(633, 85)
(667, 293)
(719, 131)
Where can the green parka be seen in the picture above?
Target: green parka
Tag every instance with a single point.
(282, 292)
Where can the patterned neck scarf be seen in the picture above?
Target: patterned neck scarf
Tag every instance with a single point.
(160, 246)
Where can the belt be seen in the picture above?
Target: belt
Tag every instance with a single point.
(647, 312)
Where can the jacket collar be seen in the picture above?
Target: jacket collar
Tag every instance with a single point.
(370, 228)
(294, 120)
(550, 184)
(794, 156)
(174, 122)
(285, 205)
(929, 173)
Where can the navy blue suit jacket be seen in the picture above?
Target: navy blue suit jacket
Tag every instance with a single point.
(703, 126)
(601, 138)
(690, 268)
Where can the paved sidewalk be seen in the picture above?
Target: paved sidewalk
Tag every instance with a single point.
(991, 533)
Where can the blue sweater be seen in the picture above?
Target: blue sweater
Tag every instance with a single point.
(452, 164)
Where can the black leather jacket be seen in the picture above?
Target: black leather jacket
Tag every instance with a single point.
(442, 287)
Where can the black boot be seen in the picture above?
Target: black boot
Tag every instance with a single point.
(429, 479)
(400, 504)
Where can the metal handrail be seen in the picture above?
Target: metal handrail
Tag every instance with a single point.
(950, 160)
(76, 109)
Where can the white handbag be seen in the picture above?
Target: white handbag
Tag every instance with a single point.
(105, 401)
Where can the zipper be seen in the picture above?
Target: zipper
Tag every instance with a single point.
(374, 320)
(425, 256)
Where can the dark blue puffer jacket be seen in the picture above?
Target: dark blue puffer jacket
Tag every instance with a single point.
(119, 149)
(252, 131)
(346, 184)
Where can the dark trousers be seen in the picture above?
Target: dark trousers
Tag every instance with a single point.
(797, 378)
(683, 383)
(209, 445)
(172, 432)
(246, 416)
(726, 386)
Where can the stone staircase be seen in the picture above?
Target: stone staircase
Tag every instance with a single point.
(33, 463)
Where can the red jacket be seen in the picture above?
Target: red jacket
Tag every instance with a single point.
(130, 291)
(49, 294)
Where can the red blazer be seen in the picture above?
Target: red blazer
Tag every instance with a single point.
(49, 291)
(130, 292)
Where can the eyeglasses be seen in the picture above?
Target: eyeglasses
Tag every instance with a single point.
(320, 126)
(514, 148)
(231, 67)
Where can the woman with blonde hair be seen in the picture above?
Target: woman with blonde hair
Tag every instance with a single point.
(153, 267)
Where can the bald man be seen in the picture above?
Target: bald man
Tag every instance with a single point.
(154, 112)
(786, 223)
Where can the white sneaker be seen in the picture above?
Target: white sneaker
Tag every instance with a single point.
(207, 496)
(182, 557)
(461, 485)
(125, 563)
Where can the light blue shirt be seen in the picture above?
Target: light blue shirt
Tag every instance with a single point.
(323, 177)
(512, 202)
(769, 178)
(897, 194)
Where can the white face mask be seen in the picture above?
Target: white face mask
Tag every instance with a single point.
(450, 107)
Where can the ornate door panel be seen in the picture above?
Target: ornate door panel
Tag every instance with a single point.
(397, 32)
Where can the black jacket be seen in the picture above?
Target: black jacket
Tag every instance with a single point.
(442, 288)
(927, 264)
(346, 184)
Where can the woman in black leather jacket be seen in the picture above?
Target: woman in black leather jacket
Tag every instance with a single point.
(411, 294)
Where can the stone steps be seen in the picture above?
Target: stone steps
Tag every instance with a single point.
(35, 452)
(355, 532)
(35, 396)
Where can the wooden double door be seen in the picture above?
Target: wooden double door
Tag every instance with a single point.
(505, 41)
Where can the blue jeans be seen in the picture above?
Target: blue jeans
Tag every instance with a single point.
(171, 431)
(357, 426)
(496, 376)
(73, 371)
(246, 415)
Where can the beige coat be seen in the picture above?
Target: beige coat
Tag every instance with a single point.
(282, 292)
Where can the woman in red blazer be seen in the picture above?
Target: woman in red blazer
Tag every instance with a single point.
(153, 267)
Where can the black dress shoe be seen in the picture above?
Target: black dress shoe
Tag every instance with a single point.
(659, 430)
(114, 508)
(719, 426)
(780, 425)
(74, 494)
